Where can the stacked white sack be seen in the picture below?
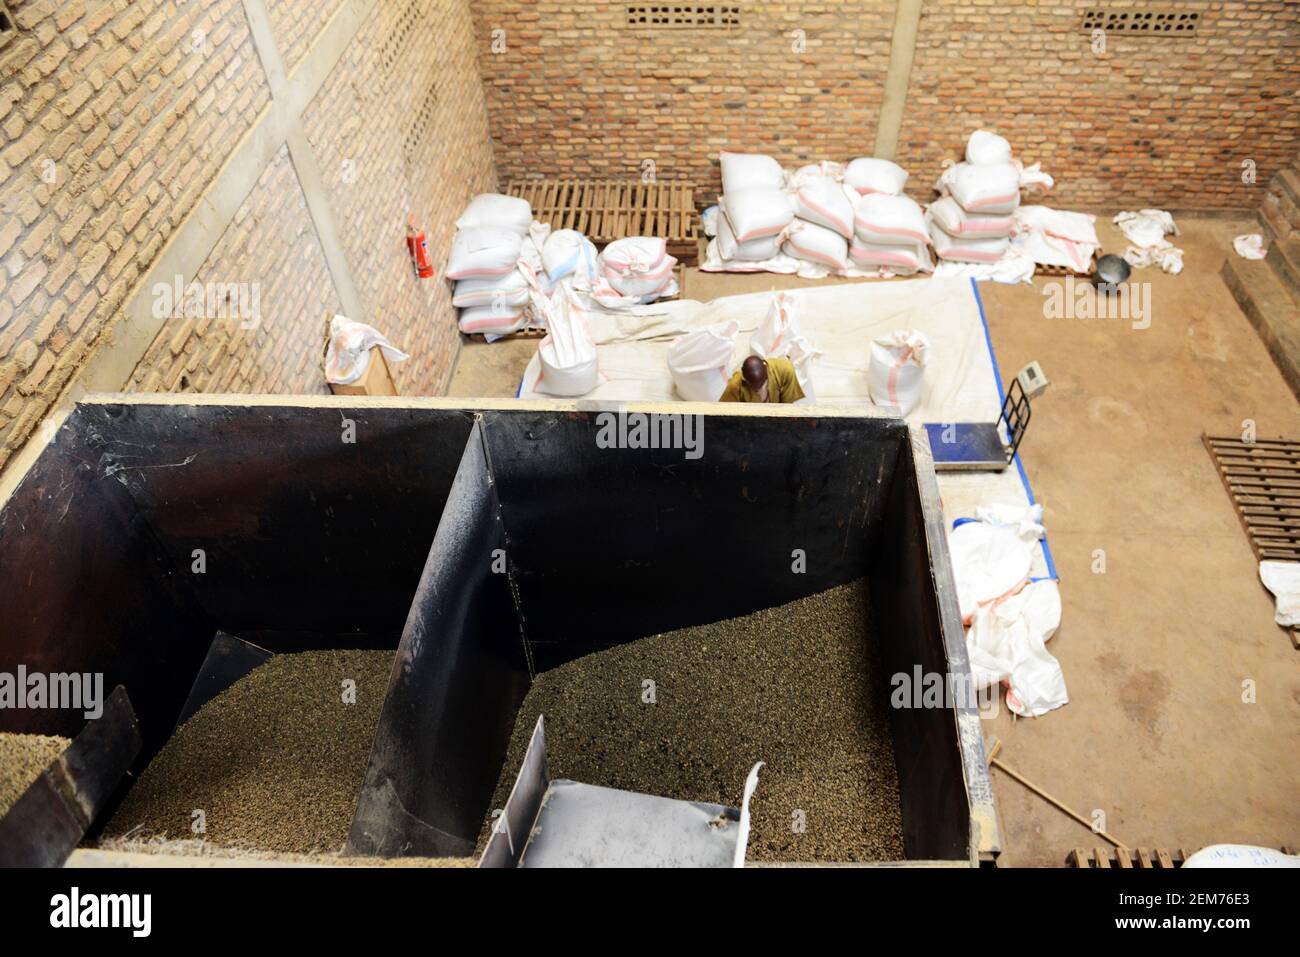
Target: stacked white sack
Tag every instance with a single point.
(868, 175)
(973, 220)
(491, 291)
(754, 210)
(889, 231)
(766, 219)
(823, 219)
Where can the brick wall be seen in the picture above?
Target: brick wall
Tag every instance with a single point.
(296, 24)
(1154, 121)
(573, 90)
(402, 127)
(274, 343)
(114, 117)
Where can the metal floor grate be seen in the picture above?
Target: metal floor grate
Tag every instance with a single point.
(1263, 480)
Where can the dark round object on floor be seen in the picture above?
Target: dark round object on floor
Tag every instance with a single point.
(1111, 271)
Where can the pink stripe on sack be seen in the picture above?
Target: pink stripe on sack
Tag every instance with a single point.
(971, 255)
(993, 201)
(886, 255)
(844, 229)
(899, 362)
(478, 273)
(985, 225)
(660, 271)
(758, 233)
(881, 231)
(893, 378)
(477, 324)
(621, 268)
(814, 255)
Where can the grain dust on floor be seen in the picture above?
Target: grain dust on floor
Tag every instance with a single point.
(22, 759)
(275, 762)
(797, 686)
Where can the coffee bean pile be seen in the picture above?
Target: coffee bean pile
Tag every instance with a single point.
(274, 763)
(22, 759)
(797, 686)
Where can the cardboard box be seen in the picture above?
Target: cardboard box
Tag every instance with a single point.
(377, 380)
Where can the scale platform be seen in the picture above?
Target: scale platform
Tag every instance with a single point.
(980, 446)
(967, 447)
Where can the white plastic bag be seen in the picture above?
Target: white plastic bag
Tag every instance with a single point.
(1007, 641)
(568, 354)
(780, 336)
(638, 266)
(1283, 580)
(890, 220)
(750, 170)
(801, 354)
(991, 188)
(779, 327)
(1240, 855)
(1146, 230)
(699, 362)
(481, 251)
(508, 290)
(756, 250)
(824, 202)
(1033, 175)
(347, 356)
(955, 221)
(992, 558)
(959, 250)
(870, 175)
(826, 169)
(758, 211)
(566, 252)
(1250, 246)
(494, 209)
(987, 148)
(897, 368)
(816, 244)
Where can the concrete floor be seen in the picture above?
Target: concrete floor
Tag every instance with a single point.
(1157, 647)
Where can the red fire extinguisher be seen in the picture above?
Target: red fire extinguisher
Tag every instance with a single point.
(418, 247)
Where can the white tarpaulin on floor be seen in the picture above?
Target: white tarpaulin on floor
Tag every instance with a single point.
(840, 321)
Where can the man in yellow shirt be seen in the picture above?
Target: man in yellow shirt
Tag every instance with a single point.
(764, 380)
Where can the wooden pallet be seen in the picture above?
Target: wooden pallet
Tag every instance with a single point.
(1044, 269)
(604, 210)
(521, 334)
(1102, 858)
(1141, 858)
(1263, 480)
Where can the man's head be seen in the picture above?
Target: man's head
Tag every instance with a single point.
(754, 371)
